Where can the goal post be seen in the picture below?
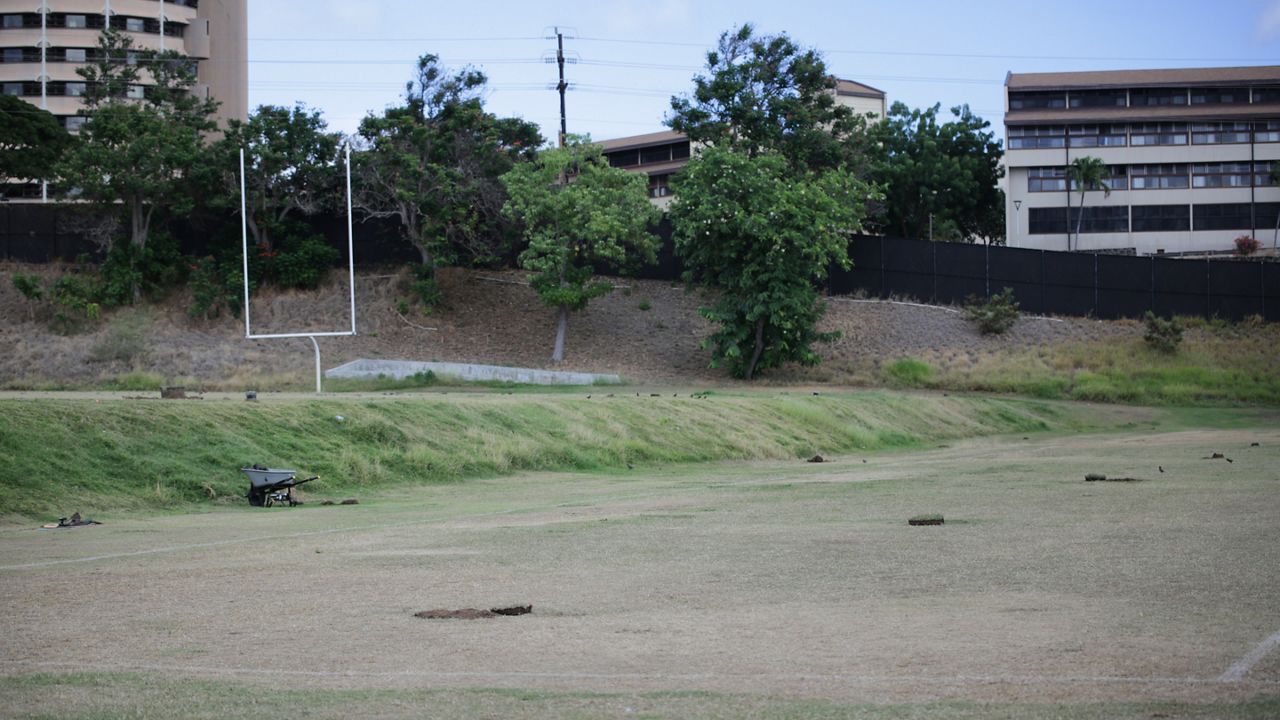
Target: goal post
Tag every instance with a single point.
(351, 273)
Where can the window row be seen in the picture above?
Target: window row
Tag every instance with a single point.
(58, 54)
(61, 88)
(1153, 218)
(1162, 177)
(93, 21)
(649, 155)
(1040, 137)
(1142, 97)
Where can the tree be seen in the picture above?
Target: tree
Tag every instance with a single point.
(940, 175)
(433, 164)
(767, 94)
(1085, 174)
(291, 167)
(577, 211)
(31, 141)
(764, 238)
(138, 150)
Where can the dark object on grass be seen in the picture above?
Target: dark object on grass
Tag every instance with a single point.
(74, 521)
(328, 502)
(268, 486)
(173, 393)
(251, 395)
(350, 501)
(1217, 456)
(817, 458)
(933, 519)
(1255, 444)
(1160, 468)
(473, 613)
(1095, 477)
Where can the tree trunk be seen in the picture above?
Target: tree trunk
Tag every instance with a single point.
(562, 324)
(1079, 220)
(137, 223)
(759, 350)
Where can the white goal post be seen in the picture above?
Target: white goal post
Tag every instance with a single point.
(351, 270)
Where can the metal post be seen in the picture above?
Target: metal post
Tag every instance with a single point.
(244, 243)
(317, 347)
(351, 256)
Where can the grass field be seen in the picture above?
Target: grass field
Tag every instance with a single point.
(765, 587)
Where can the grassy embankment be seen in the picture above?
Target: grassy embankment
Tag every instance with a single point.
(1218, 364)
(59, 455)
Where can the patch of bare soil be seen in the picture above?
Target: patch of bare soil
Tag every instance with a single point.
(645, 331)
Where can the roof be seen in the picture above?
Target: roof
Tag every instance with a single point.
(632, 142)
(1177, 113)
(1251, 75)
(850, 87)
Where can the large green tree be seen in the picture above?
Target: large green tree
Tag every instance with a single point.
(577, 211)
(291, 167)
(767, 94)
(142, 135)
(1086, 174)
(31, 141)
(939, 175)
(764, 238)
(433, 164)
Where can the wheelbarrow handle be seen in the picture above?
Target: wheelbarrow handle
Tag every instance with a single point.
(313, 477)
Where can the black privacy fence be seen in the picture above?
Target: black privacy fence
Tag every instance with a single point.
(1044, 282)
(1060, 283)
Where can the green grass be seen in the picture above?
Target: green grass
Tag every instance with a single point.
(149, 455)
(121, 695)
(1225, 365)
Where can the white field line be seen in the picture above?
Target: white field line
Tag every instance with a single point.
(1241, 667)
(666, 492)
(569, 675)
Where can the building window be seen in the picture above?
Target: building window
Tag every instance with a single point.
(75, 89)
(13, 55)
(76, 55)
(135, 24)
(12, 88)
(1099, 219)
(1228, 216)
(1266, 131)
(1158, 177)
(1150, 97)
(73, 123)
(1262, 173)
(1117, 179)
(1047, 221)
(1269, 94)
(1037, 100)
(658, 186)
(1046, 179)
(1096, 136)
(624, 158)
(659, 154)
(1218, 175)
(1158, 134)
(1217, 133)
(137, 92)
(77, 21)
(1037, 137)
(1161, 218)
(13, 21)
(1099, 98)
(1219, 96)
(680, 151)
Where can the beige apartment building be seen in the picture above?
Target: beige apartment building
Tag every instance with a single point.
(1189, 154)
(660, 155)
(43, 42)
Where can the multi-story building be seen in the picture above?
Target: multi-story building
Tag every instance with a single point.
(660, 155)
(1189, 155)
(43, 42)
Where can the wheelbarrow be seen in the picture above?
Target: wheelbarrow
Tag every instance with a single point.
(268, 486)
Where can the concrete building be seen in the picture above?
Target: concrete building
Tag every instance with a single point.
(1189, 151)
(660, 155)
(43, 42)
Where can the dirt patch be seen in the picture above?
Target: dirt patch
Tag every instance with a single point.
(474, 613)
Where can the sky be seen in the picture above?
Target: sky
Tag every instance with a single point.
(348, 58)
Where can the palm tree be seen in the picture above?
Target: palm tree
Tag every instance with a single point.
(1087, 173)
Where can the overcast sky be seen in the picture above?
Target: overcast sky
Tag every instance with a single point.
(350, 57)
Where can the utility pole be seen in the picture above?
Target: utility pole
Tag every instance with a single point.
(561, 86)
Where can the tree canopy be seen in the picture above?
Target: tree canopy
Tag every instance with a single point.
(31, 141)
(764, 238)
(766, 94)
(433, 164)
(577, 211)
(947, 171)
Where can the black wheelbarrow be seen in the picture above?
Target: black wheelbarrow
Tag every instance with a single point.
(268, 486)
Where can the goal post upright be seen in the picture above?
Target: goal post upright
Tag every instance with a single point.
(351, 274)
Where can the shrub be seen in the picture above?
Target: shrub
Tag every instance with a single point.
(1163, 335)
(644, 306)
(425, 287)
(29, 286)
(1247, 245)
(996, 314)
(910, 372)
(303, 263)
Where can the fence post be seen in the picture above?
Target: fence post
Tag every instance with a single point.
(933, 248)
(883, 294)
(1044, 308)
(1153, 284)
(1208, 292)
(1096, 313)
(986, 272)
